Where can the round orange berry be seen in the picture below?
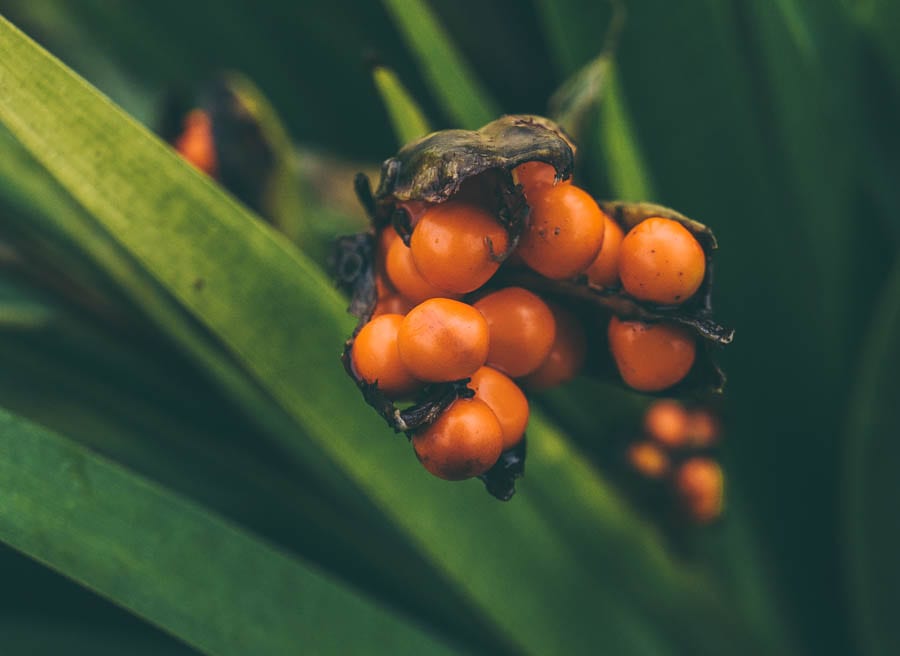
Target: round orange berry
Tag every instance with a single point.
(661, 261)
(196, 143)
(453, 246)
(700, 486)
(604, 270)
(442, 340)
(702, 428)
(651, 357)
(522, 330)
(402, 271)
(567, 355)
(648, 459)
(534, 174)
(505, 399)
(666, 421)
(465, 441)
(565, 231)
(376, 358)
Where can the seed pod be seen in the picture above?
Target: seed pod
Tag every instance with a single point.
(477, 167)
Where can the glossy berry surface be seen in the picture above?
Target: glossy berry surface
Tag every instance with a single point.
(565, 231)
(651, 357)
(604, 270)
(522, 330)
(442, 340)
(535, 174)
(505, 399)
(453, 246)
(699, 483)
(648, 459)
(465, 441)
(666, 421)
(661, 261)
(376, 358)
(405, 276)
(567, 355)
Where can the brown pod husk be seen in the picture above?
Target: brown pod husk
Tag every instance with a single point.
(431, 170)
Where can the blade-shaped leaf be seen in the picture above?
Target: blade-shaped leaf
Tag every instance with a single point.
(188, 572)
(406, 116)
(872, 487)
(451, 80)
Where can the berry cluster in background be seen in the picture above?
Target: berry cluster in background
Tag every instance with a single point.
(676, 451)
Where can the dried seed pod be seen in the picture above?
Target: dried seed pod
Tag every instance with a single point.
(477, 167)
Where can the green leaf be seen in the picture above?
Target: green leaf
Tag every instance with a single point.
(449, 77)
(187, 571)
(626, 169)
(871, 485)
(282, 325)
(406, 116)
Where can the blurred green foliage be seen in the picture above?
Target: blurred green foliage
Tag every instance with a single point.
(153, 323)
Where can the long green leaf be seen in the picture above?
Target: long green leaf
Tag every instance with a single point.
(283, 324)
(450, 79)
(871, 483)
(192, 574)
(406, 116)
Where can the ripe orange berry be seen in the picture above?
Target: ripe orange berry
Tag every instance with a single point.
(522, 330)
(666, 421)
(376, 358)
(465, 441)
(702, 429)
(452, 246)
(533, 174)
(661, 261)
(505, 399)
(196, 143)
(700, 486)
(604, 270)
(565, 232)
(648, 459)
(651, 357)
(414, 210)
(442, 340)
(567, 355)
(392, 304)
(402, 271)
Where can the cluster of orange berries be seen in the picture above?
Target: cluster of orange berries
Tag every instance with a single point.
(443, 313)
(675, 450)
(195, 142)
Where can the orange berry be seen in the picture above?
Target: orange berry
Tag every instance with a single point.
(465, 441)
(567, 355)
(386, 239)
(604, 270)
(392, 304)
(700, 485)
(648, 459)
(452, 246)
(702, 429)
(505, 399)
(661, 261)
(522, 330)
(666, 421)
(565, 231)
(534, 174)
(651, 357)
(442, 340)
(402, 271)
(376, 358)
(196, 143)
